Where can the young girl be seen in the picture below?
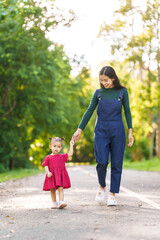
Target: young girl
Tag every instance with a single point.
(56, 173)
(109, 133)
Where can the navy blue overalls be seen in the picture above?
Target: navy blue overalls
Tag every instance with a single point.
(110, 138)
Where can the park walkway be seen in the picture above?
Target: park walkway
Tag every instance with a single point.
(25, 212)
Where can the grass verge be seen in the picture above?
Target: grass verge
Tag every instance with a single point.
(20, 173)
(145, 165)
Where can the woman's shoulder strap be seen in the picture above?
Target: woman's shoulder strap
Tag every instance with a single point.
(98, 93)
(121, 93)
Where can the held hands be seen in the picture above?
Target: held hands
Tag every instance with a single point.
(49, 174)
(72, 143)
(76, 135)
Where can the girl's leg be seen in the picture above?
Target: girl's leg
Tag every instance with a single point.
(53, 194)
(61, 204)
(53, 197)
(61, 194)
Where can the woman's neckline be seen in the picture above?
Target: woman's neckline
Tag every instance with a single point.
(108, 88)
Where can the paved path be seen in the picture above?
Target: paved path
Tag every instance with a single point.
(26, 215)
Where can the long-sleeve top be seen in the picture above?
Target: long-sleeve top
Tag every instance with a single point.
(107, 93)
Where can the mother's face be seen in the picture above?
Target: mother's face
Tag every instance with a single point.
(106, 81)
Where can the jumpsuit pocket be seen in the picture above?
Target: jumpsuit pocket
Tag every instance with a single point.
(99, 131)
(97, 128)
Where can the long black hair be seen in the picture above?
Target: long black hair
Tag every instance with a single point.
(110, 72)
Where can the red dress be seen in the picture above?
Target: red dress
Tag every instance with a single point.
(56, 165)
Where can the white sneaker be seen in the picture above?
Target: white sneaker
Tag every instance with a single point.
(111, 201)
(54, 205)
(100, 196)
(62, 204)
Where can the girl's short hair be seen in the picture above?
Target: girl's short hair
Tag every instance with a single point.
(56, 139)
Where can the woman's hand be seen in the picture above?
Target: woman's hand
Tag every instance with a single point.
(130, 138)
(76, 135)
(49, 174)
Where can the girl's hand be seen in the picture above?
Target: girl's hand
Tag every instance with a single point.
(76, 135)
(49, 174)
(131, 139)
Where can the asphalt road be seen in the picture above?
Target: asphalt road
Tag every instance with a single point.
(26, 214)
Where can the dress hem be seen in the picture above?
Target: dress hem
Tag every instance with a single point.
(48, 189)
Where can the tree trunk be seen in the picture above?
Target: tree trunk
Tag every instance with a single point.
(150, 134)
(141, 73)
(158, 76)
(158, 134)
(11, 164)
(150, 115)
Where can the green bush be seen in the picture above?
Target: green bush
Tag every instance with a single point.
(2, 168)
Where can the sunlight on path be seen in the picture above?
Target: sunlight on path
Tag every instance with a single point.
(129, 192)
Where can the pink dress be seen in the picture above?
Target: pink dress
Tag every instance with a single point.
(56, 165)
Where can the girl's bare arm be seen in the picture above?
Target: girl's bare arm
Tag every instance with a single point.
(70, 153)
(49, 174)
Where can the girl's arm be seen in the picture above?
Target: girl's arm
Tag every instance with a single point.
(70, 153)
(49, 174)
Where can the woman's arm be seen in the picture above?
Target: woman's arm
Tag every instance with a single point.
(128, 116)
(130, 138)
(86, 117)
(76, 135)
(127, 110)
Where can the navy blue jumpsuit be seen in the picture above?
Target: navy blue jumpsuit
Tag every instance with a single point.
(109, 138)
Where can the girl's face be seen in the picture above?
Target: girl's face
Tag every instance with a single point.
(56, 147)
(106, 81)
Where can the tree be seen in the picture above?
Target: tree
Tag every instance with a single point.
(30, 77)
(139, 52)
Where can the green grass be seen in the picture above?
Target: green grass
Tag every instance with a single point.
(145, 165)
(20, 173)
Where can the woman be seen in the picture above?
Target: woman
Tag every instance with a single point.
(109, 131)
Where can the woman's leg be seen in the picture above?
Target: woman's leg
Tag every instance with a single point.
(117, 152)
(101, 146)
(112, 194)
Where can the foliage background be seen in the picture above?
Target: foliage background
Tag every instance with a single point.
(39, 97)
